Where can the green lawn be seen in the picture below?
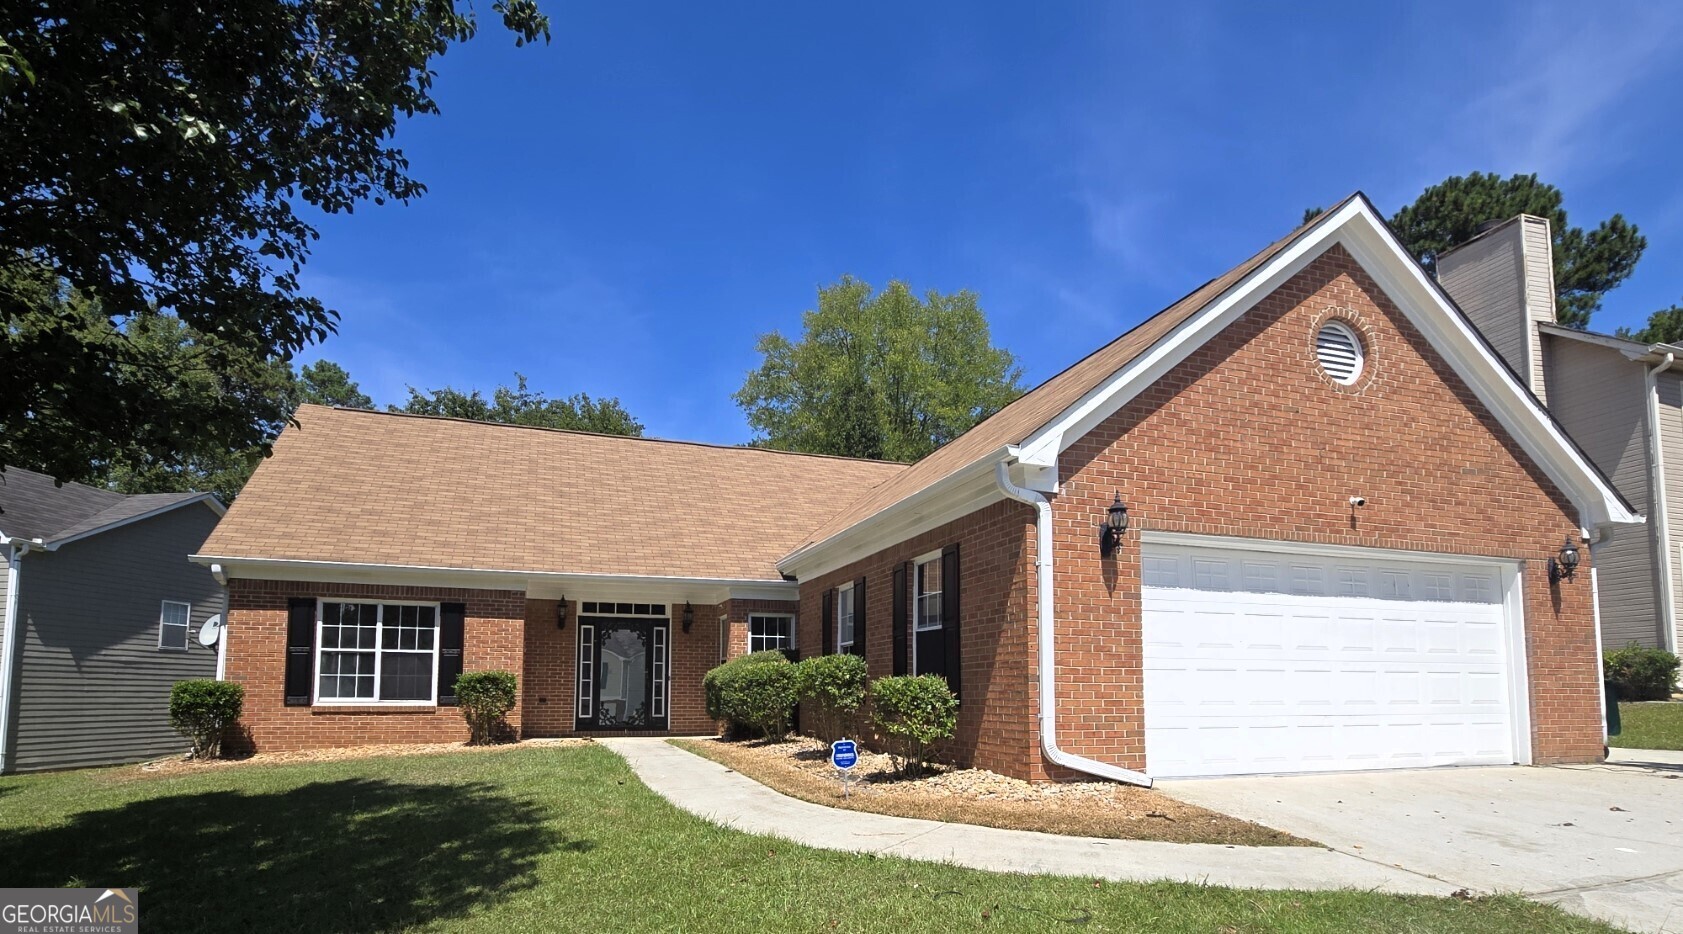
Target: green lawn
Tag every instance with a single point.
(1656, 725)
(569, 840)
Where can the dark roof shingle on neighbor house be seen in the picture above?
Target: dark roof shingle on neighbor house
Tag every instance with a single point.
(386, 489)
(35, 506)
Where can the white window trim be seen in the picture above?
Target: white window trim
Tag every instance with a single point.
(852, 616)
(315, 668)
(187, 628)
(917, 609)
(724, 638)
(789, 618)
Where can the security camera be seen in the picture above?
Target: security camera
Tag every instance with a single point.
(1358, 501)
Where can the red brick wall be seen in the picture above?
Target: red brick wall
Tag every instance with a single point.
(996, 716)
(257, 659)
(1250, 438)
(550, 691)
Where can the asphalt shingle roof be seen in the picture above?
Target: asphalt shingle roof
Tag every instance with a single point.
(33, 506)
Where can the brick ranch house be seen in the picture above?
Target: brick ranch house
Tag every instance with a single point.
(1344, 513)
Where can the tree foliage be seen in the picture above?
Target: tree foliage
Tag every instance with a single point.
(883, 375)
(1587, 265)
(155, 159)
(519, 405)
(1664, 327)
(326, 383)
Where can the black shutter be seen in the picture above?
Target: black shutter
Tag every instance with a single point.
(859, 618)
(950, 616)
(300, 649)
(452, 621)
(901, 622)
(828, 631)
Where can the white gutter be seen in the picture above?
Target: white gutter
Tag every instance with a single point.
(1657, 508)
(1047, 664)
(9, 647)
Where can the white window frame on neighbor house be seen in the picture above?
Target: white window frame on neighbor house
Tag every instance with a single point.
(786, 641)
(379, 653)
(186, 625)
(845, 622)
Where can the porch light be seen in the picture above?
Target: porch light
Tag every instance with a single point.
(689, 616)
(1564, 566)
(561, 613)
(1115, 524)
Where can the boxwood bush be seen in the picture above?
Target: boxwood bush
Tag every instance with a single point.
(202, 709)
(832, 689)
(485, 697)
(914, 712)
(1640, 674)
(753, 695)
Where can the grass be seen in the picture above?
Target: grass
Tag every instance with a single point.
(1654, 725)
(568, 839)
(1144, 814)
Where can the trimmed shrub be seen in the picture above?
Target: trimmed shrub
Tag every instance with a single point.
(754, 694)
(832, 689)
(202, 709)
(1640, 674)
(485, 698)
(914, 712)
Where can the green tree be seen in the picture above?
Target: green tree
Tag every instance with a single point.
(164, 159)
(326, 383)
(1587, 265)
(519, 405)
(1664, 327)
(883, 375)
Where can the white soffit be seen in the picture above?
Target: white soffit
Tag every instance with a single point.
(1358, 227)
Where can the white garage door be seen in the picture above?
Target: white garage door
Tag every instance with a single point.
(1264, 662)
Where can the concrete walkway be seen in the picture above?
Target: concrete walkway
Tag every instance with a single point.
(718, 794)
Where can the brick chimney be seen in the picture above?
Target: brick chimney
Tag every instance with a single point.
(1503, 279)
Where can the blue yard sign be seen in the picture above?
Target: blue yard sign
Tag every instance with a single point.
(844, 754)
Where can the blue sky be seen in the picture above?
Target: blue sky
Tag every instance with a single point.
(622, 211)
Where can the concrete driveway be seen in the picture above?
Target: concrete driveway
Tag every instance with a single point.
(1604, 841)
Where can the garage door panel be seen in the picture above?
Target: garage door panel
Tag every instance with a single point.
(1256, 663)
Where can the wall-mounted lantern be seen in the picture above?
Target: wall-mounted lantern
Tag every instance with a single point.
(1115, 524)
(689, 616)
(561, 613)
(1565, 565)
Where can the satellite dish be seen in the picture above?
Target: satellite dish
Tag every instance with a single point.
(211, 630)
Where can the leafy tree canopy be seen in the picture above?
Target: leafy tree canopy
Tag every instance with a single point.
(519, 405)
(884, 375)
(1587, 264)
(326, 383)
(1664, 327)
(154, 158)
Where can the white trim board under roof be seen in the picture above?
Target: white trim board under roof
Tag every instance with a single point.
(1635, 350)
(1356, 226)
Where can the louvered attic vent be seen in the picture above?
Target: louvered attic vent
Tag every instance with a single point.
(1340, 352)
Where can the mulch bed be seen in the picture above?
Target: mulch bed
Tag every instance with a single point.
(182, 765)
(800, 768)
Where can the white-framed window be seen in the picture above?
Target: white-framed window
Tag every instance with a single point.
(926, 593)
(376, 653)
(724, 638)
(844, 617)
(173, 617)
(768, 631)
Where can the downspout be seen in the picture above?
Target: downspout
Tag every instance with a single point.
(1600, 654)
(1662, 530)
(221, 578)
(1044, 618)
(9, 648)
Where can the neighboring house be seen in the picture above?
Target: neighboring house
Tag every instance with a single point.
(102, 615)
(1621, 401)
(1343, 506)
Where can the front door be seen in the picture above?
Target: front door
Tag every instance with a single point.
(622, 673)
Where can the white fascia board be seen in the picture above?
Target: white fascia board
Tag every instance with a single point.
(952, 497)
(1365, 236)
(536, 584)
(209, 499)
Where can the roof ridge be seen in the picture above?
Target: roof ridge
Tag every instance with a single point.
(608, 436)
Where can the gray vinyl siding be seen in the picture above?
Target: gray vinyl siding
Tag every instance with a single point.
(1601, 399)
(1669, 387)
(1485, 277)
(93, 686)
(1539, 293)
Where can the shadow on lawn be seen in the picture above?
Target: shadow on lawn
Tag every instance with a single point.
(352, 855)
